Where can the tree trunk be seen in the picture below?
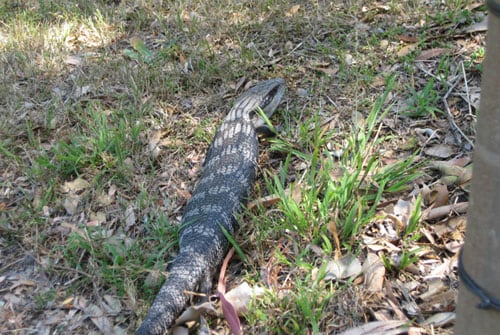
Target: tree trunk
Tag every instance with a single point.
(481, 251)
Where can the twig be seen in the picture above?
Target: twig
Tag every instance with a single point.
(445, 98)
(450, 116)
(439, 212)
(430, 74)
(466, 88)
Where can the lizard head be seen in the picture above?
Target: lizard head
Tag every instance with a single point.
(266, 95)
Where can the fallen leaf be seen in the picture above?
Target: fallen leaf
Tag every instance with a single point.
(111, 305)
(346, 267)
(442, 270)
(292, 11)
(99, 318)
(416, 331)
(439, 195)
(453, 246)
(130, 217)
(478, 26)
(431, 53)
(325, 68)
(193, 313)
(266, 201)
(22, 282)
(450, 226)
(439, 212)
(80, 91)
(295, 192)
(440, 319)
(230, 314)
(70, 203)
(241, 296)
(374, 272)
(99, 217)
(439, 150)
(403, 210)
(406, 50)
(389, 327)
(105, 199)
(77, 185)
(73, 60)
(68, 303)
(435, 286)
(180, 330)
(407, 39)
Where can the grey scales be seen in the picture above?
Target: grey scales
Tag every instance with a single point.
(227, 176)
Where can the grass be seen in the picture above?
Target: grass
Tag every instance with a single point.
(349, 200)
(125, 98)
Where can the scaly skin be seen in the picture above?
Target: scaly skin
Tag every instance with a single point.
(227, 177)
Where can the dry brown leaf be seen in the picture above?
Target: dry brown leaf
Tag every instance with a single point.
(407, 39)
(295, 192)
(452, 168)
(453, 246)
(440, 151)
(111, 305)
(415, 331)
(326, 68)
(77, 185)
(406, 50)
(442, 270)
(440, 319)
(130, 218)
(431, 53)
(332, 229)
(435, 286)
(98, 217)
(70, 203)
(450, 226)
(99, 319)
(105, 198)
(230, 315)
(266, 201)
(346, 267)
(193, 313)
(73, 60)
(22, 282)
(374, 272)
(390, 327)
(478, 26)
(292, 11)
(397, 310)
(439, 195)
(241, 295)
(439, 212)
(68, 303)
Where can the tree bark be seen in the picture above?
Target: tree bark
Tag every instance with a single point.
(481, 251)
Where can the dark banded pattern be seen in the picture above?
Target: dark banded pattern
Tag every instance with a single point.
(227, 176)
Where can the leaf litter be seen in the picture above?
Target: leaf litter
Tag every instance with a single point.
(387, 297)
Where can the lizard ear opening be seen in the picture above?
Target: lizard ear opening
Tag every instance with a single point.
(268, 98)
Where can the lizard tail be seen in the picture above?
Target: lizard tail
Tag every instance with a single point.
(186, 274)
